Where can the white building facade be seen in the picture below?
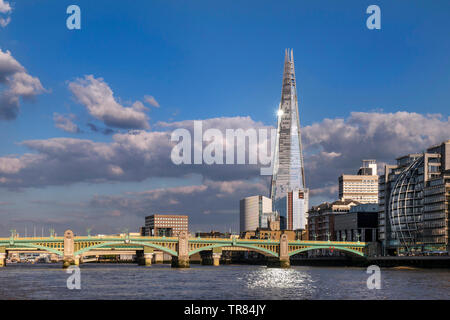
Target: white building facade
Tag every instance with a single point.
(254, 212)
(362, 187)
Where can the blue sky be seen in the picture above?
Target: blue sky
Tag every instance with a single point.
(205, 59)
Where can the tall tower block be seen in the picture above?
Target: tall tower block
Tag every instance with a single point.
(288, 189)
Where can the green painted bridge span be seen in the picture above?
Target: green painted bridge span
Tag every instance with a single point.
(170, 245)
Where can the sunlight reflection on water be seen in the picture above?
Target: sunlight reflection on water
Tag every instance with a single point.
(279, 278)
(106, 281)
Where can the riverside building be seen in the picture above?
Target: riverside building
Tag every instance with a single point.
(321, 219)
(362, 187)
(414, 203)
(168, 225)
(359, 224)
(255, 212)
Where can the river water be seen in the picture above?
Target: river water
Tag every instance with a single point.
(128, 281)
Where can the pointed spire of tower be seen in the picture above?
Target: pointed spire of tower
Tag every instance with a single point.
(288, 190)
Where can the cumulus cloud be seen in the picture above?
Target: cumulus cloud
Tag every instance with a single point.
(221, 123)
(151, 101)
(132, 156)
(5, 7)
(5, 11)
(332, 147)
(17, 83)
(98, 98)
(65, 123)
(219, 201)
(336, 146)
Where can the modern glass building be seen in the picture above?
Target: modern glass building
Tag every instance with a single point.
(288, 189)
(414, 203)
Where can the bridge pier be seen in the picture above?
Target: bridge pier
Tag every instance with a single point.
(284, 252)
(67, 262)
(2, 257)
(158, 257)
(216, 259)
(69, 249)
(283, 257)
(216, 255)
(54, 257)
(182, 261)
(273, 262)
(285, 263)
(145, 257)
(211, 257)
(148, 259)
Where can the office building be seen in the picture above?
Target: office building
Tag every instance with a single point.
(321, 219)
(359, 224)
(414, 203)
(165, 225)
(288, 189)
(255, 212)
(361, 187)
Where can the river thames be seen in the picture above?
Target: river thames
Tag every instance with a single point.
(128, 281)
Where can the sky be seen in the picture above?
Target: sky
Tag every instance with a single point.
(86, 115)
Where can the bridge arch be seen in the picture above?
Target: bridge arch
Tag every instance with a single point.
(36, 246)
(328, 248)
(144, 244)
(251, 247)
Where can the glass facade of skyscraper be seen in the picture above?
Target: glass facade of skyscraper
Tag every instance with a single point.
(288, 190)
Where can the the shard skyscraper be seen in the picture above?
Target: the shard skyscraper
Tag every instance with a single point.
(288, 190)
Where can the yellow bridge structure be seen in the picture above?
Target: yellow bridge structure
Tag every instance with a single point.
(72, 248)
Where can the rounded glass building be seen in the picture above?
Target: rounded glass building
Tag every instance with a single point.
(406, 207)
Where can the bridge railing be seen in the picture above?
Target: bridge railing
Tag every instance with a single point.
(32, 238)
(327, 242)
(114, 237)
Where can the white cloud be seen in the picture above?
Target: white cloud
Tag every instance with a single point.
(5, 9)
(65, 123)
(10, 165)
(332, 147)
(151, 101)
(366, 135)
(98, 98)
(4, 21)
(210, 203)
(18, 84)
